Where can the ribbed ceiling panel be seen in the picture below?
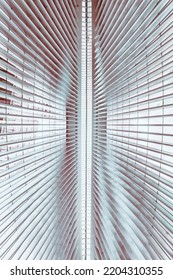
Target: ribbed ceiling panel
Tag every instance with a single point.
(39, 89)
(123, 209)
(133, 136)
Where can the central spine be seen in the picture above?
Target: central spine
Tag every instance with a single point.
(86, 126)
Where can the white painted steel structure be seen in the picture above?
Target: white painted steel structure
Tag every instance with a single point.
(86, 129)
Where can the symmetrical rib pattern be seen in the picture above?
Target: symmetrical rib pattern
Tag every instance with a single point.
(39, 89)
(133, 136)
(86, 129)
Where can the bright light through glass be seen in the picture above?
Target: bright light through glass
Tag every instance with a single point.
(86, 127)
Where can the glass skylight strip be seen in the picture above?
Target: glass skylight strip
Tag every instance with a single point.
(86, 126)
